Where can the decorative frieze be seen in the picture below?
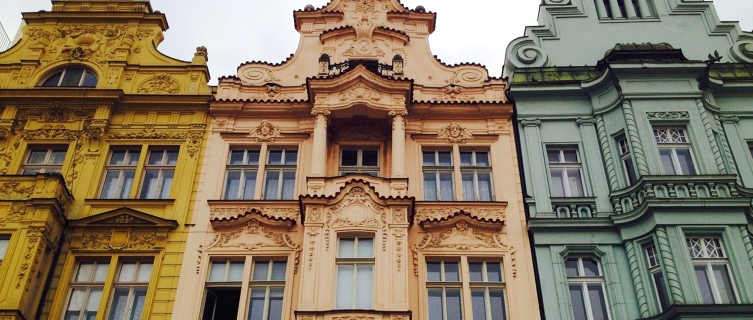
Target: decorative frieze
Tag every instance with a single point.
(668, 115)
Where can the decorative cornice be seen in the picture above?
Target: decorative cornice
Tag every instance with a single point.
(667, 115)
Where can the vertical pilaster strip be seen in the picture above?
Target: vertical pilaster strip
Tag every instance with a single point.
(319, 149)
(725, 142)
(711, 136)
(398, 143)
(634, 138)
(601, 9)
(616, 13)
(606, 152)
(537, 167)
(635, 273)
(645, 10)
(629, 9)
(593, 163)
(669, 266)
(747, 241)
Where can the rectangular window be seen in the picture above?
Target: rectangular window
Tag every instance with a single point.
(279, 183)
(359, 160)
(129, 294)
(448, 284)
(86, 291)
(438, 172)
(4, 242)
(565, 170)
(267, 290)
(476, 173)
(750, 148)
(657, 277)
(44, 160)
(627, 161)
(223, 292)
(586, 286)
(711, 269)
(675, 151)
(355, 273)
(159, 172)
(119, 174)
(240, 177)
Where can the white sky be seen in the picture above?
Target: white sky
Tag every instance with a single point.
(236, 31)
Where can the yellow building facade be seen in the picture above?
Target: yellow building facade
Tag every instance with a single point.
(101, 138)
(360, 179)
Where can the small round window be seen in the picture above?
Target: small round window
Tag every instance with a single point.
(72, 77)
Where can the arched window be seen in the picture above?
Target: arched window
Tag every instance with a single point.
(72, 77)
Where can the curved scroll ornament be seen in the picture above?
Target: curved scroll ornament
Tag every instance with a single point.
(160, 84)
(254, 236)
(259, 74)
(265, 132)
(360, 91)
(743, 50)
(356, 209)
(525, 53)
(462, 237)
(454, 133)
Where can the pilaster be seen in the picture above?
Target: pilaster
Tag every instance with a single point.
(537, 167)
(593, 160)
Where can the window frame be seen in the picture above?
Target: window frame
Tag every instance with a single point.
(750, 148)
(584, 281)
(164, 166)
(137, 173)
(356, 261)
(281, 168)
(359, 167)
(131, 285)
(564, 166)
(86, 72)
(625, 153)
(456, 170)
(654, 266)
(673, 147)
(4, 246)
(708, 262)
(45, 166)
(257, 168)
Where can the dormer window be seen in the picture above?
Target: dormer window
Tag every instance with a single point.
(72, 77)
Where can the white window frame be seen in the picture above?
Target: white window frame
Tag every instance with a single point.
(280, 169)
(584, 281)
(355, 261)
(46, 166)
(465, 285)
(163, 167)
(625, 155)
(132, 286)
(707, 260)
(456, 169)
(267, 284)
(564, 166)
(121, 169)
(673, 145)
(475, 169)
(359, 167)
(653, 259)
(438, 169)
(245, 169)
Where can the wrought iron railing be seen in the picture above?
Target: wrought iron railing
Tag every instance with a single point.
(372, 65)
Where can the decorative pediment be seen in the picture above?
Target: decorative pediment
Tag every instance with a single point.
(233, 213)
(481, 214)
(121, 229)
(359, 85)
(123, 217)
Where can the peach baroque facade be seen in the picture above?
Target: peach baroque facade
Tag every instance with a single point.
(360, 179)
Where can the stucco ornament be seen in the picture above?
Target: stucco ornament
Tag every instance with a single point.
(160, 84)
(271, 92)
(454, 133)
(265, 132)
(743, 50)
(252, 236)
(667, 115)
(360, 91)
(356, 209)
(95, 43)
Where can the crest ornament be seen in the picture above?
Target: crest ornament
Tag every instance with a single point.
(265, 132)
(454, 133)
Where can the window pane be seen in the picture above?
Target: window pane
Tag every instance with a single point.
(630, 168)
(57, 156)
(125, 190)
(90, 80)
(446, 192)
(598, 305)
(468, 188)
(84, 272)
(571, 267)
(72, 77)
(275, 304)
(232, 184)
(661, 290)
(272, 185)
(275, 157)
(435, 304)
(365, 286)
(92, 302)
(236, 271)
(433, 271)
(723, 283)
(445, 158)
(345, 287)
(4, 242)
(52, 81)
(570, 155)
(151, 180)
(100, 273)
(261, 271)
(454, 310)
(476, 271)
(590, 268)
(349, 158)
(576, 185)
(278, 270)
(478, 304)
(482, 159)
(256, 306)
(172, 157)
(110, 186)
(484, 186)
(288, 185)
(127, 272)
(494, 272)
(37, 156)
(236, 157)
(291, 157)
(155, 157)
(76, 302)
(430, 186)
(497, 303)
(666, 160)
(451, 271)
(365, 248)
(466, 159)
(167, 183)
(553, 156)
(428, 158)
(703, 282)
(686, 161)
(145, 272)
(217, 271)
(558, 186)
(370, 158)
(137, 306)
(253, 157)
(249, 186)
(347, 248)
(576, 298)
(118, 304)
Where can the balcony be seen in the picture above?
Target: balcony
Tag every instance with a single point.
(42, 188)
(723, 190)
(574, 207)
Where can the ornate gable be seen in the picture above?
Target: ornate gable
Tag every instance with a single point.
(121, 229)
(359, 86)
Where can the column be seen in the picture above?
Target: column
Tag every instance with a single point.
(616, 13)
(601, 9)
(631, 133)
(645, 9)
(629, 9)
(319, 150)
(398, 143)
(593, 164)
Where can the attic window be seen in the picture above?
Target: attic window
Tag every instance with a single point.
(72, 77)
(624, 9)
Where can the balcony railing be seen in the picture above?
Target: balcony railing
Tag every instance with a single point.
(574, 207)
(677, 188)
(372, 65)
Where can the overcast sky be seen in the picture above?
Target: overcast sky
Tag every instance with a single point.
(235, 31)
